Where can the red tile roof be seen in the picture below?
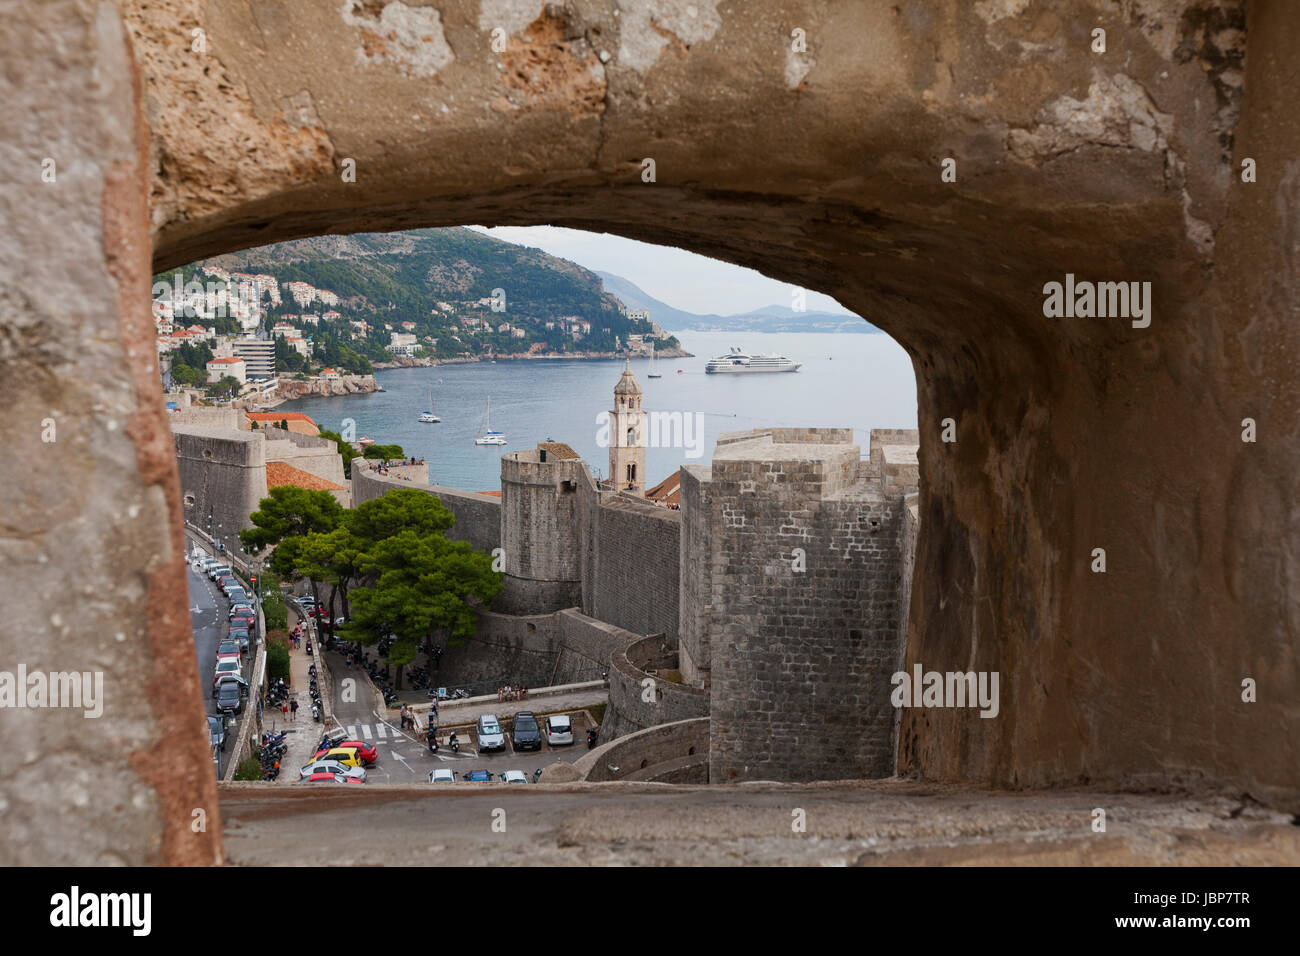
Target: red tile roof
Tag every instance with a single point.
(279, 416)
(668, 491)
(282, 473)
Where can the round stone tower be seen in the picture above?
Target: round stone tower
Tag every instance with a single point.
(540, 530)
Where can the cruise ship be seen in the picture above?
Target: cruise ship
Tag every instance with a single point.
(736, 362)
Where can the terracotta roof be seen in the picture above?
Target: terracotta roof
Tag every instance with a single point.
(224, 361)
(279, 416)
(668, 491)
(558, 450)
(491, 494)
(282, 473)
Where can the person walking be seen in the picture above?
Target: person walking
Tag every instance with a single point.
(293, 709)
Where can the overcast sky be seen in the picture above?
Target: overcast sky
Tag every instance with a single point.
(676, 277)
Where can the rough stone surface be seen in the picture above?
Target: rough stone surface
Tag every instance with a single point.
(1072, 434)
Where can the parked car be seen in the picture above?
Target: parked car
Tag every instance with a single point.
(559, 730)
(326, 777)
(240, 635)
(514, 776)
(230, 697)
(241, 606)
(347, 756)
(227, 667)
(333, 766)
(218, 571)
(243, 619)
(525, 734)
(477, 776)
(217, 732)
(229, 651)
(442, 775)
(490, 736)
(364, 750)
(238, 595)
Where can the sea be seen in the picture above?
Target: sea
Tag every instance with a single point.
(846, 381)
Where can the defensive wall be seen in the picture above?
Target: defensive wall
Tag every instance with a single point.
(478, 517)
(803, 609)
(667, 753)
(222, 478)
(638, 698)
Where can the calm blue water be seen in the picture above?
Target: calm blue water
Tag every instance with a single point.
(857, 381)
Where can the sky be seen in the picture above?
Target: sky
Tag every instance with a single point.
(676, 277)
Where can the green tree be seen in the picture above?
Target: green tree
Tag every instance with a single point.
(403, 509)
(422, 583)
(290, 511)
(335, 558)
(187, 375)
(345, 449)
(384, 451)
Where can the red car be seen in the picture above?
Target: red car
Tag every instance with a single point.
(364, 750)
(331, 778)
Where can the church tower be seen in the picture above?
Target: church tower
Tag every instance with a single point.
(627, 436)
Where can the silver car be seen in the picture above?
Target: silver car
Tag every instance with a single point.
(559, 730)
(333, 766)
(490, 734)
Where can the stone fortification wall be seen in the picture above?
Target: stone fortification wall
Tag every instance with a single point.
(222, 478)
(803, 641)
(635, 705)
(636, 567)
(478, 517)
(669, 753)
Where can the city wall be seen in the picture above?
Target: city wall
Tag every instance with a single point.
(222, 478)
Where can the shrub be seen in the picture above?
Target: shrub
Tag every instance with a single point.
(277, 655)
(250, 768)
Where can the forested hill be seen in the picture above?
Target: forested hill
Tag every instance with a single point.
(405, 274)
(438, 285)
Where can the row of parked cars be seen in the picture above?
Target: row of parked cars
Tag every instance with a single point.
(443, 775)
(339, 761)
(229, 686)
(525, 733)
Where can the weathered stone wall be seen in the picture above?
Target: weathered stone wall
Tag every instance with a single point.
(695, 576)
(222, 478)
(636, 573)
(478, 517)
(663, 747)
(629, 709)
(540, 533)
(1072, 434)
(801, 658)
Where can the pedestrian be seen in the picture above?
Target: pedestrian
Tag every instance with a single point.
(293, 709)
(284, 710)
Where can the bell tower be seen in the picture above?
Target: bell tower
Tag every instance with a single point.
(628, 436)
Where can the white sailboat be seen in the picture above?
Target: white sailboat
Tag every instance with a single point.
(428, 417)
(489, 437)
(654, 366)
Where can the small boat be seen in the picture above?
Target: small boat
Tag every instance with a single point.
(363, 440)
(654, 367)
(429, 418)
(489, 436)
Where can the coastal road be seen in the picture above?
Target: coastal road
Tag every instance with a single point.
(208, 613)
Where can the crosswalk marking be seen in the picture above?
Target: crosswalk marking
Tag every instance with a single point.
(380, 732)
(365, 731)
(352, 731)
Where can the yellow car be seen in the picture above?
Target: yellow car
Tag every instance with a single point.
(348, 756)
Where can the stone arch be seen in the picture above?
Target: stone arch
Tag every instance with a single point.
(821, 168)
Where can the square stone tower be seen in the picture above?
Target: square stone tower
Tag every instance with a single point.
(627, 438)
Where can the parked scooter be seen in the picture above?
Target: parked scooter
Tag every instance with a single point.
(591, 737)
(431, 735)
(455, 744)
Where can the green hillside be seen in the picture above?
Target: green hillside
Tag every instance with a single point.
(388, 279)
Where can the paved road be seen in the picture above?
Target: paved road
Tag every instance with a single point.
(405, 757)
(208, 616)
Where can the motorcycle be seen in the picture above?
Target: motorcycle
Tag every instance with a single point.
(431, 735)
(591, 737)
(315, 712)
(455, 744)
